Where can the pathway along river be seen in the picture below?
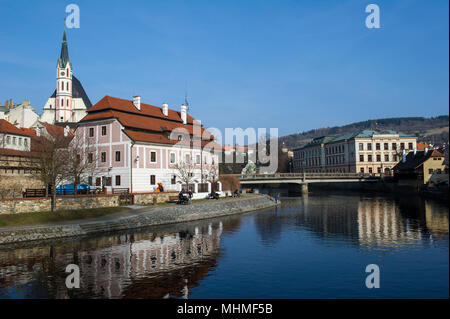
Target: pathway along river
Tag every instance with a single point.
(312, 247)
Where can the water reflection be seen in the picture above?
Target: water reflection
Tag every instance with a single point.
(369, 222)
(168, 262)
(136, 265)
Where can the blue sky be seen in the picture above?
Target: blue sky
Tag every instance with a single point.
(295, 65)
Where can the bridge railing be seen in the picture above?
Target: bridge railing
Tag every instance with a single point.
(305, 176)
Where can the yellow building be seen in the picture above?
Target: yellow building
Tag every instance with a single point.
(366, 152)
(421, 167)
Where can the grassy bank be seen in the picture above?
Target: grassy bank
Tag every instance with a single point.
(57, 216)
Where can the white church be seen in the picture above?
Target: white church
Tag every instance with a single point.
(69, 102)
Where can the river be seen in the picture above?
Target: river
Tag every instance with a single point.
(317, 246)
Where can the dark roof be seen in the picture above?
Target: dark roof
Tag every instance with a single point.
(64, 56)
(414, 161)
(78, 92)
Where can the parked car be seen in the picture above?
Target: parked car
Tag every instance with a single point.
(68, 189)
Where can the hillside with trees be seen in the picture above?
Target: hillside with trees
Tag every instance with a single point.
(434, 130)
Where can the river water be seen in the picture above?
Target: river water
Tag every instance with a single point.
(312, 247)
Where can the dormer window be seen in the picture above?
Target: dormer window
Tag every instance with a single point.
(180, 137)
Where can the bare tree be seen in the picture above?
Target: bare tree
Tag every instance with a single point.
(212, 173)
(81, 160)
(185, 172)
(51, 162)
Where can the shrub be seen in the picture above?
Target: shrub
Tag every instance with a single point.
(229, 182)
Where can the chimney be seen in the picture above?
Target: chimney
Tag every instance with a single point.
(165, 109)
(137, 102)
(404, 156)
(183, 113)
(66, 130)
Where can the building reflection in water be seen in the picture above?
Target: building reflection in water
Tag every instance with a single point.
(137, 265)
(368, 222)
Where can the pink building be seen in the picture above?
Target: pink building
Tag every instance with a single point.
(135, 145)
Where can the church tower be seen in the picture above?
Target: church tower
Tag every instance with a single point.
(63, 98)
(69, 102)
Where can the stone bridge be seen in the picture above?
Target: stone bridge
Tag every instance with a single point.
(304, 179)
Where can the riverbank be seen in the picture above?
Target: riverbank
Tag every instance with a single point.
(143, 217)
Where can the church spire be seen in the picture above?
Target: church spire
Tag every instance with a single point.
(64, 57)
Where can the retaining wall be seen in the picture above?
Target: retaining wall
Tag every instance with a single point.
(41, 204)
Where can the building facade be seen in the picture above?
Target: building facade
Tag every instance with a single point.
(69, 102)
(372, 152)
(136, 146)
(421, 167)
(22, 115)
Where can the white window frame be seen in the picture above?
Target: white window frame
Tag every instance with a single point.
(174, 158)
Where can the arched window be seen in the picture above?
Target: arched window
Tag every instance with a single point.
(67, 86)
(62, 102)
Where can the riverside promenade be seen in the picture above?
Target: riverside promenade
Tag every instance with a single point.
(137, 218)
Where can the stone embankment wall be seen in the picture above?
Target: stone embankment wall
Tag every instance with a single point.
(149, 198)
(42, 204)
(149, 216)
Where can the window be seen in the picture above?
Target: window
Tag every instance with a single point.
(377, 146)
(386, 157)
(180, 137)
(198, 159)
(438, 171)
(108, 181)
(20, 141)
(153, 157)
(430, 171)
(386, 146)
(378, 158)
(369, 158)
(103, 157)
(361, 146)
(172, 158)
(361, 169)
(90, 180)
(14, 140)
(369, 146)
(379, 170)
(98, 181)
(25, 142)
(394, 146)
(118, 156)
(152, 180)
(173, 180)
(8, 140)
(103, 130)
(91, 132)
(117, 180)
(402, 146)
(90, 157)
(370, 170)
(188, 158)
(410, 146)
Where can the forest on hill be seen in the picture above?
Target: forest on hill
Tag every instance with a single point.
(434, 130)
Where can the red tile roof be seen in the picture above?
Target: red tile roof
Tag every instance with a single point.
(113, 103)
(422, 146)
(147, 124)
(6, 127)
(10, 152)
